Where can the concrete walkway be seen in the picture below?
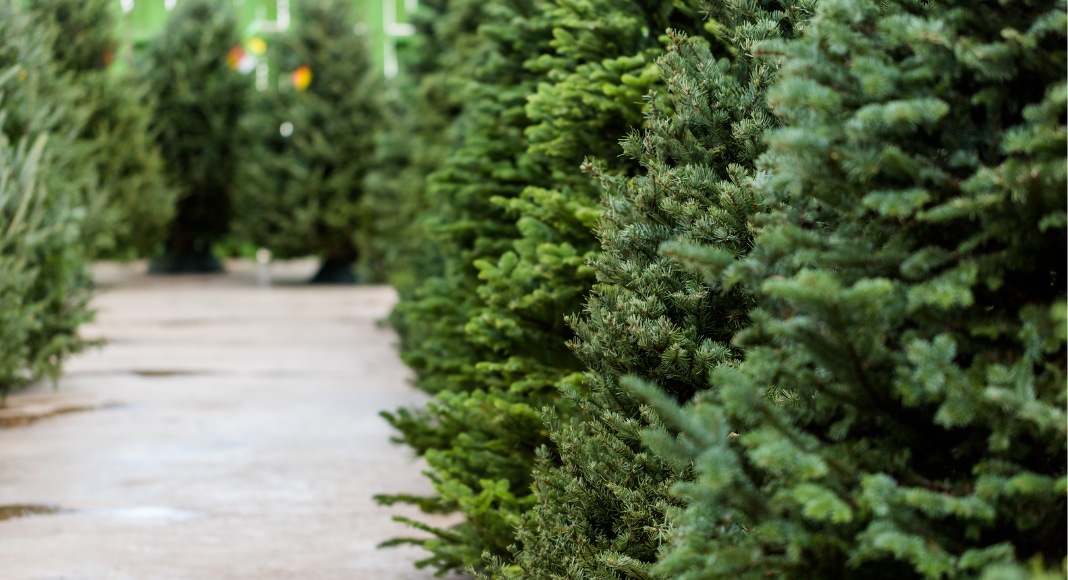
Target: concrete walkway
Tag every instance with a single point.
(234, 435)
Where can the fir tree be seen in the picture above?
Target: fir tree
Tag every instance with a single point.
(133, 203)
(601, 66)
(900, 411)
(463, 221)
(602, 512)
(199, 103)
(44, 279)
(44, 177)
(584, 89)
(312, 147)
(419, 131)
(466, 226)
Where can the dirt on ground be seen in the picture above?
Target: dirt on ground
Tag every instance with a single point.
(229, 429)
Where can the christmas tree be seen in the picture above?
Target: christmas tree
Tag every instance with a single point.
(44, 278)
(602, 512)
(466, 225)
(45, 175)
(900, 412)
(419, 131)
(515, 237)
(133, 203)
(199, 102)
(312, 145)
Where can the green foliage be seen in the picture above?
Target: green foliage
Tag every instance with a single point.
(900, 412)
(300, 193)
(419, 133)
(603, 512)
(199, 102)
(561, 81)
(589, 93)
(44, 278)
(466, 226)
(132, 205)
(464, 223)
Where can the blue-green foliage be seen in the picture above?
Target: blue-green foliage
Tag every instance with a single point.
(900, 412)
(827, 338)
(46, 173)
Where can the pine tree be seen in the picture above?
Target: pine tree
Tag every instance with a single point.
(133, 203)
(602, 512)
(45, 176)
(302, 176)
(199, 102)
(900, 412)
(506, 305)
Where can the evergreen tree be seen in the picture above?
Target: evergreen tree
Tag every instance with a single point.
(591, 92)
(463, 221)
(133, 203)
(310, 148)
(495, 321)
(418, 133)
(199, 104)
(466, 226)
(602, 512)
(900, 412)
(44, 277)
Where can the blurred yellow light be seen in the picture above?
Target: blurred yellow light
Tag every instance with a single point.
(256, 46)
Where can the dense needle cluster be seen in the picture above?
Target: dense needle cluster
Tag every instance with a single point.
(823, 331)
(702, 289)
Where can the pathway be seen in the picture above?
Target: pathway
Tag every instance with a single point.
(236, 436)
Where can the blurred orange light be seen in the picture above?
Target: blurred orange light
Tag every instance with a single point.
(302, 77)
(233, 58)
(240, 60)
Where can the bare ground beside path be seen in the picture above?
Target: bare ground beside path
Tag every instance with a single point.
(235, 436)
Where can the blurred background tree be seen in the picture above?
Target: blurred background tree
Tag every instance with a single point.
(47, 179)
(200, 100)
(419, 131)
(133, 203)
(386, 25)
(311, 143)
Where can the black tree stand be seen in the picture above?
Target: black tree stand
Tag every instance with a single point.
(186, 262)
(335, 271)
